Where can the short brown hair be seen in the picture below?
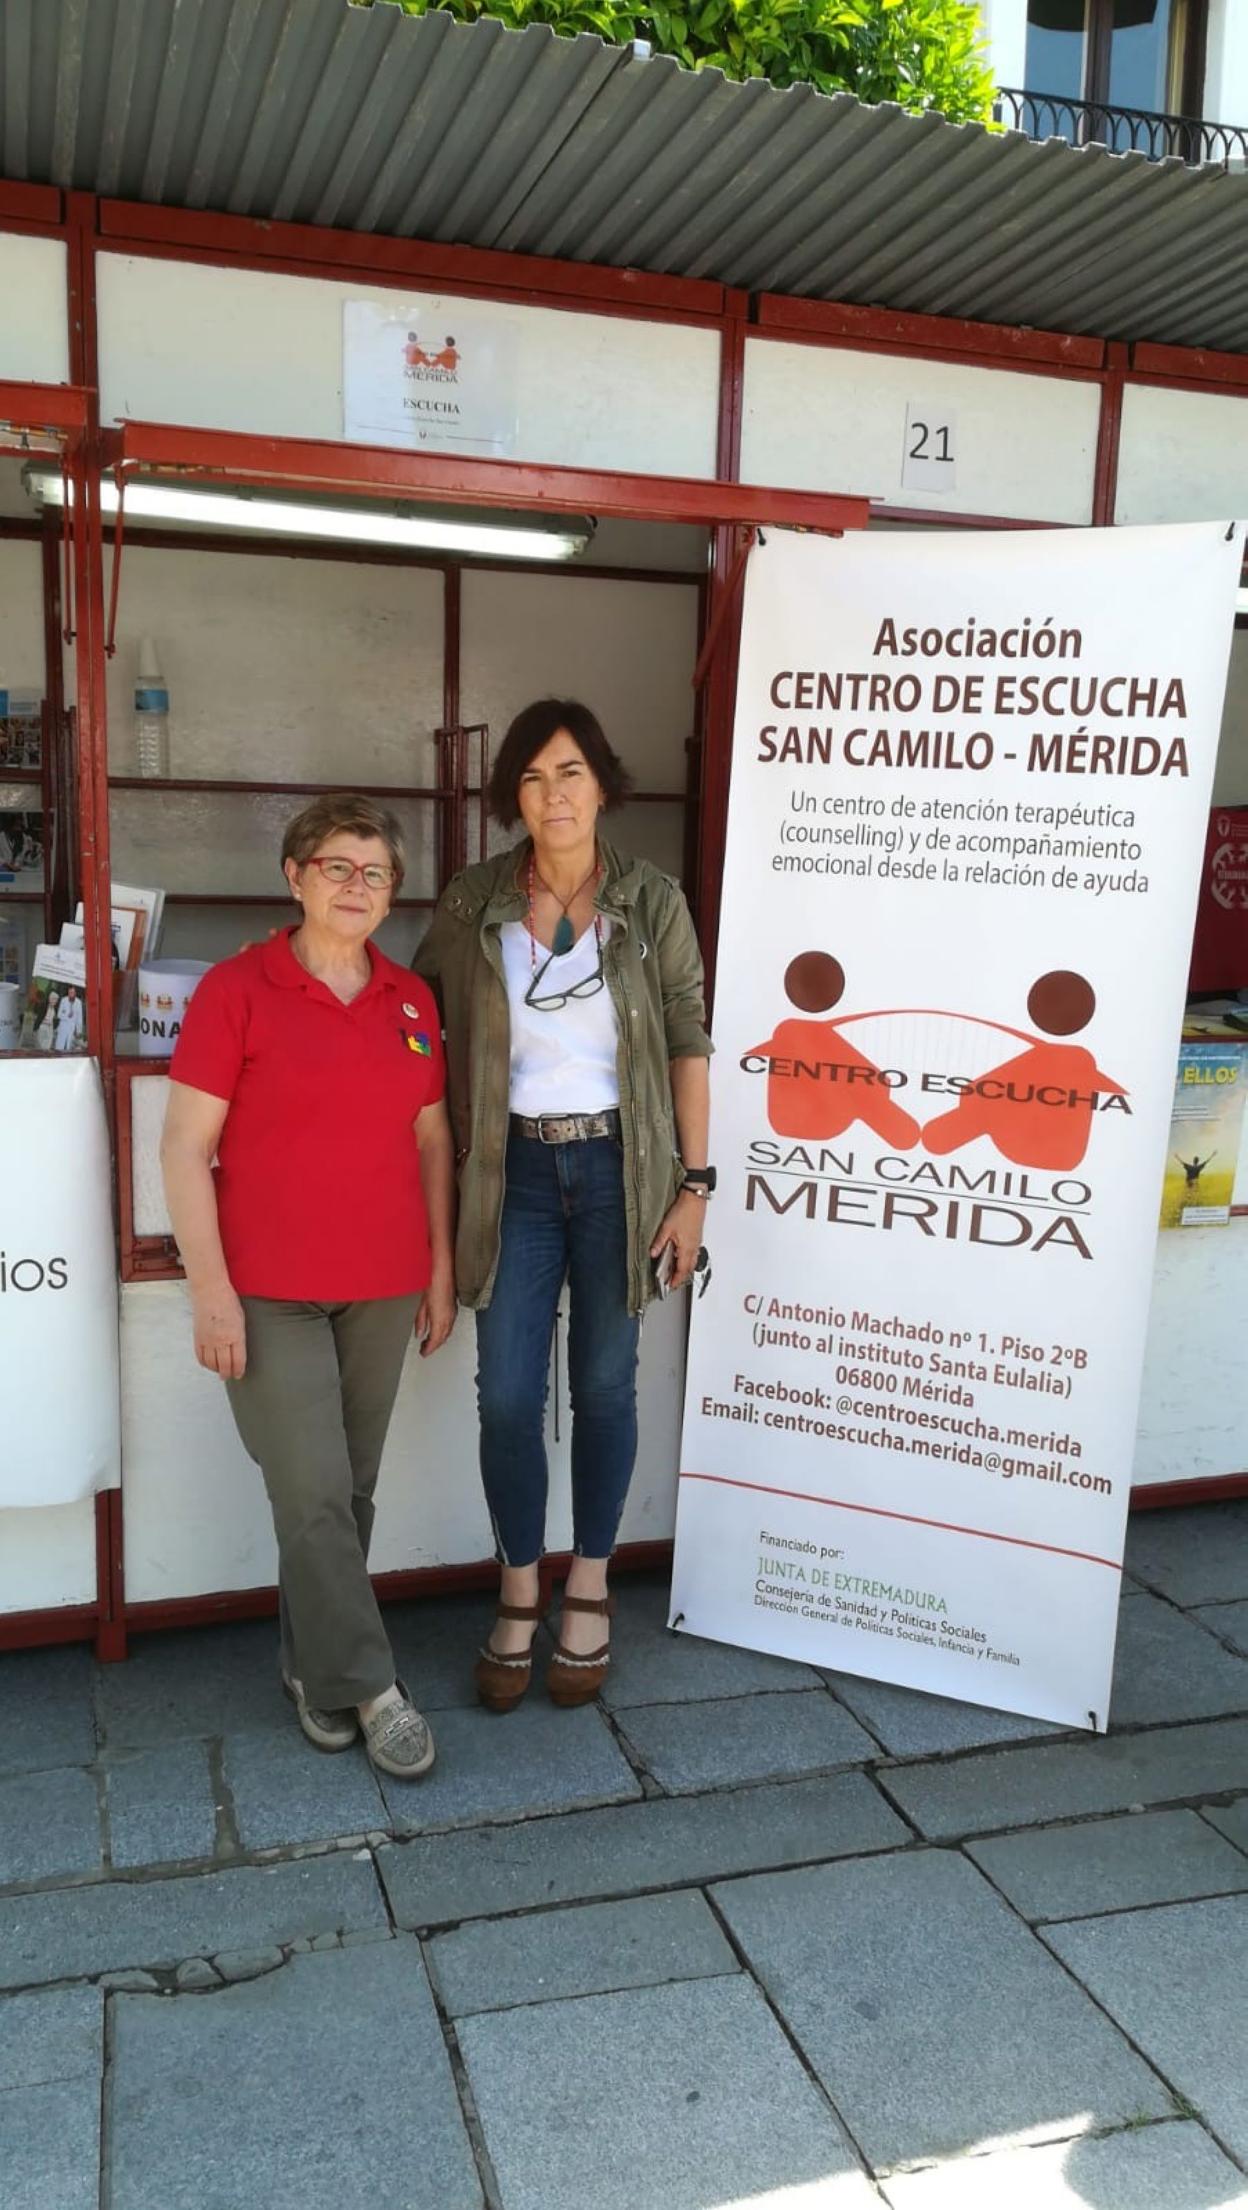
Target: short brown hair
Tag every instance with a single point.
(532, 729)
(340, 813)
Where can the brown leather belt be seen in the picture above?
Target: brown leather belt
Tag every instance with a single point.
(567, 1127)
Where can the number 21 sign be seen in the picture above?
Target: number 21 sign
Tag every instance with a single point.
(930, 453)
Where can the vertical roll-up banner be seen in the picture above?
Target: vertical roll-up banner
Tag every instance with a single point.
(59, 1378)
(970, 787)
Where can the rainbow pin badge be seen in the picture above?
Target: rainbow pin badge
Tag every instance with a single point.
(420, 1043)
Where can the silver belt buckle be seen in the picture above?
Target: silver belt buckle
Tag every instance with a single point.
(547, 1125)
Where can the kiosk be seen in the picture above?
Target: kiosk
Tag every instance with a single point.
(210, 368)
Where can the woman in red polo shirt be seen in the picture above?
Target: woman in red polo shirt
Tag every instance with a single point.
(310, 1070)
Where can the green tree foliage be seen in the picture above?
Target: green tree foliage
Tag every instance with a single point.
(921, 53)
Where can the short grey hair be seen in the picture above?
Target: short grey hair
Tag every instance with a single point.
(347, 813)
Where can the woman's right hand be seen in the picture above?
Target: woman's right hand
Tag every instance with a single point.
(220, 1333)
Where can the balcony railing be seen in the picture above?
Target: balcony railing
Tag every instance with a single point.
(1122, 129)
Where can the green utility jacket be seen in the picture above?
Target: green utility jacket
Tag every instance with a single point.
(653, 970)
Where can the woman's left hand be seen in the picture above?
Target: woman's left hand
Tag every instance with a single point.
(435, 1315)
(682, 1227)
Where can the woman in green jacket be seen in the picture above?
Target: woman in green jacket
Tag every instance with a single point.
(571, 989)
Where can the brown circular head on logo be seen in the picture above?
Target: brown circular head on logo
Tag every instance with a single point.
(1061, 1003)
(814, 982)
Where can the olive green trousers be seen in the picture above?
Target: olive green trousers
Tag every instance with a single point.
(313, 1408)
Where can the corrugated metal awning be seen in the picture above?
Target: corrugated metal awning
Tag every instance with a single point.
(366, 119)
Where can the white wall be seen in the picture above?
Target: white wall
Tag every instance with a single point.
(237, 349)
(1230, 782)
(47, 1559)
(1183, 456)
(1005, 25)
(1226, 63)
(34, 327)
(825, 418)
(1194, 1413)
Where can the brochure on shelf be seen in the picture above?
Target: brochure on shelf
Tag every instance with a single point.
(1199, 1182)
(54, 1018)
(21, 730)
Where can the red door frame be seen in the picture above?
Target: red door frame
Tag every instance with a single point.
(91, 226)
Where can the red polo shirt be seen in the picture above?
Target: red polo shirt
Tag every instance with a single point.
(318, 1173)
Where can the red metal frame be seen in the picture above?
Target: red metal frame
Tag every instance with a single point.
(1214, 1488)
(70, 415)
(298, 249)
(927, 337)
(56, 412)
(32, 207)
(376, 471)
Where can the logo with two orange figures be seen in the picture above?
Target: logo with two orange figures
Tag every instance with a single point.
(444, 360)
(1036, 1107)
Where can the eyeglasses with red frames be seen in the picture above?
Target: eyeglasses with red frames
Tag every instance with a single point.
(342, 871)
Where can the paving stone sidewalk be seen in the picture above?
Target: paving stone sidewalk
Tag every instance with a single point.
(743, 1934)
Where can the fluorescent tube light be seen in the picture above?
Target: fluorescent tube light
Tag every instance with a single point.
(384, 524)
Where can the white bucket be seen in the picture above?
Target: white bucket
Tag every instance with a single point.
(166, 987)
(10, 1015)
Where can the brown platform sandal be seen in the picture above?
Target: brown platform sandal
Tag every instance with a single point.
(571, 1679)
(502, 1681)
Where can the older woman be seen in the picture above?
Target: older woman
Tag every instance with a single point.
(310, 1069)
(571, 987)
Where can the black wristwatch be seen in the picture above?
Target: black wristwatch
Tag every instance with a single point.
(700, 1180)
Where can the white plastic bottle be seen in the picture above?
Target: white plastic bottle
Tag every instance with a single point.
(151, 714)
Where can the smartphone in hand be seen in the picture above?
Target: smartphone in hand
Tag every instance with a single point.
(664, 1267)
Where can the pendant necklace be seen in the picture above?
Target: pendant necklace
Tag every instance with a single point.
(565, 935)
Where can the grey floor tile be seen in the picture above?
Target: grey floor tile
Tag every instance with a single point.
(674, 2098)
(1065, 1780)
(1163, 2167)
(1230, 1819)
(666, 1843)
(162, 1806)
(325, 2086)
(50, 2146)
(51, 2034)
(45, 1709)
(435, 1647)
(537, 1760)
(1197, 1555)
(193, 1682)
(73, 1933)
(651, 1666)
(1228, 1620)
(742, 1738)
(910, 1724)
(870, 1963)
(284, 1790)
(1111, 1864)
(592, 1950)
(49, 1826)
(1166, 1667)
(1176, 1980)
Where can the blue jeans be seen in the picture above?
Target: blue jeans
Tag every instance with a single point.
(563, 1218)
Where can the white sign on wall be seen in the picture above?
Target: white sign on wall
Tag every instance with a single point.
(430, 372)
(969, 792)
(59, 1423)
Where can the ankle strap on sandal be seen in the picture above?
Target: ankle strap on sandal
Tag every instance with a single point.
(603, 1605)
(520, 1611)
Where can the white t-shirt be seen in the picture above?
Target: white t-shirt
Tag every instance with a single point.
(564, 1060)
